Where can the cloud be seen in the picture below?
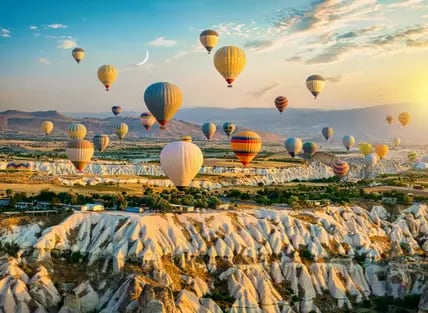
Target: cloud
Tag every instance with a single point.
(232, 29)
(66, 44)
(405, 37)
(162, 42)
(261, 92)
(32, 27)
(176, 56)
(296, 58)
(56, 26)
(44, 61)
(5, 33)
(331, 54)
(334, 79)
(405, 4)
(257, 45)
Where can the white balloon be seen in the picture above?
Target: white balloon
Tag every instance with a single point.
(181, 162)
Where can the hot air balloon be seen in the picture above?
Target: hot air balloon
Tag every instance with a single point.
(163, 100)
(246, 145)
(107, 75)
(47, 127)
(76, 131)
(315, 84)
(116, 109)
(281, 103)
(396, 141)
(340, 168)
(78, 54)
(208, 129)
(404, 118)
(389, 119)
(79, 152)
(101, 142)
(327, 132)
(365, 148)
(371, 159)
(181, 161)
(348, 142)
(293, 146)
(229, 62)
(229, 128)
(381, 150)
(208, 39)
(309, 149)
(186, 138)
(412, 156)
(121, 130)
(147, 120)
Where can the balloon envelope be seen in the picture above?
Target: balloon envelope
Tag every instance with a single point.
(365, 148)
(404, 118)
(246, 145)
(412, 156)
(309, 149)
(121, 130)
(186, 138)
(396, 141)
(147, 120)
(327, 132)
(381, 150)
(389, 119)
(229, 62)
(78, 54)
(181, 162)
(371, 159)
(116, 109)
(208, 39)
(315, 84)
(340, 168)
(209, 129)
(107, 75)
(348, 142)
(47, 127)
(293, 146)
(76, 131)
(163, 100)
(101, 142)
(79, 152)
(228, 128)
(281, 103)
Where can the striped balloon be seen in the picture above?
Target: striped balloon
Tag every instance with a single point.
(281, 103)
(340, 168)
(293, 146)
(209, 129)
(116, 109)
(246, 145)
(229, 128)
(76, 131)
(147, 120)
(327, 132)
(101, 142)
(315, 84)
(404, 118)
(309, 149)
(412, 156)
(121, 130)
(348, 141)
(79, 152)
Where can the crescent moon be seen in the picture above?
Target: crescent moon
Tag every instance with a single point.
(145, 59)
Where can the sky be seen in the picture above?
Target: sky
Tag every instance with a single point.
(371, 52)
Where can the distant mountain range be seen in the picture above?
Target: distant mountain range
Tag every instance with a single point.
(366, 124)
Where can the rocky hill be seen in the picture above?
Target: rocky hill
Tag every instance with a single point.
(28, 123)
(334, 259)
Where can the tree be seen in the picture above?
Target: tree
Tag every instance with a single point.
(213, 202)
(163, 205)
(9, 192)
(293, 200)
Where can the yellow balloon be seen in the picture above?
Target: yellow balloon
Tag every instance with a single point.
(107, 75)
(78, 54)
(396, 141)
(121, 130)
(365, 148)
(47, 127)
(404, 118)
(208, 39)
(381, 150)
(229, 62)
(315, 84)
(246, 145)
(76, 131)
